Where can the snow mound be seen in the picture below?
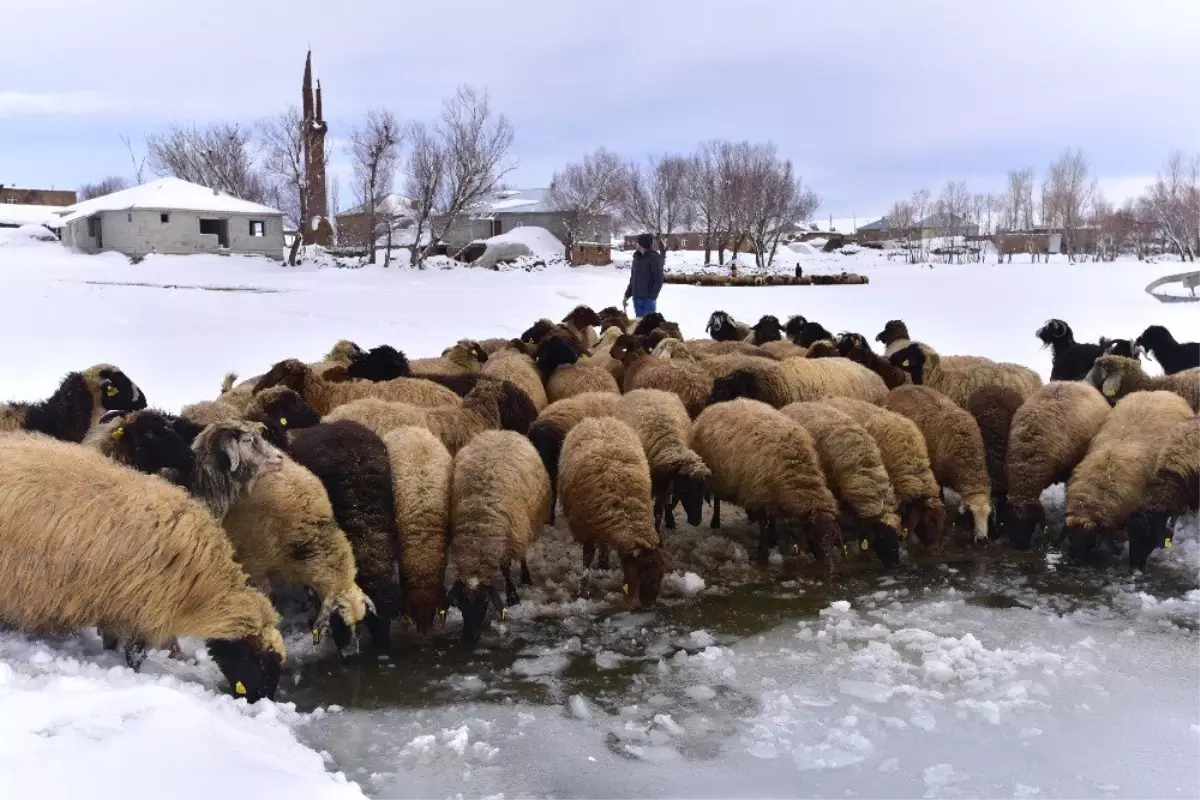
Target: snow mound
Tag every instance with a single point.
(526, 242)
(27, 234)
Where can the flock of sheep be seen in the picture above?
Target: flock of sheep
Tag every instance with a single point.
(371, 480)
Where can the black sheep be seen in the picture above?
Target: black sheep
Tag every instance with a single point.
(1070, 359)
(554, 352)
(280, 410)
(1120, 347)
(767, 329)
(67, 414)
(517, 411)
(792, 329)
(1173, 356)
(152, 441)
(352, 463)
(654, 320)
(811, 332)
(382, 363)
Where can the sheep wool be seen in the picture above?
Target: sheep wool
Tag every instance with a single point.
(556, 421)
(604, 484)
(815, 379)
(959, 378)
(324, 396)
(464, 356)
(206, 412)
(751, 377)
(129, 552)
(993, 408)
(854, 471)
(955, 447)
(519, 370)
(579, 378)
(685, 379)
(782, 348)
(422, 469)
(1175, 487)
(1117, 377)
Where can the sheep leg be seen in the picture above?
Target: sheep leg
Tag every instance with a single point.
(658, 515)
(526, 578)
(511, 598)
(553, 505)
(716, 517)
(589, 552)
(110, 641)
(602, 563)
(765, 530)
(135, 654)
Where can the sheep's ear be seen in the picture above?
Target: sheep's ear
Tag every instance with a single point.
(229, 446)
(337, 374)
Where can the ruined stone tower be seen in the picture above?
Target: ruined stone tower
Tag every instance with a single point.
(317, 228)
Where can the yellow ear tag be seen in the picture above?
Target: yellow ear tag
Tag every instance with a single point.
(864, 545)
(1109, 391)
(1166, 544)
(903, 533)
(442, 612)
(845, 550)
(283, 421)
(118, 433)
(504, 613)
(905, 364)
(316, 636)
(239, 687)
(625, 588)
(112, 391)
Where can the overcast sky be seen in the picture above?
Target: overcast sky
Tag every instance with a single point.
(870, 99)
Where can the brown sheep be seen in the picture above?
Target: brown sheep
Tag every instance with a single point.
(602, 353)
(688, 381)
(78, 403)
(766, 463)
(959, 379)
(855, 347)
(519, 370)
(130, 553)
(664, 427)
(906, 458)
(556, 421)
(499, 500)
(604, 482)
(324, 395)
(955, 448)
(750, 377)
(1111, 481)
(421, 472)
(583, 321)
(453, 425)
(993, 408)
(614, 317)
(707, 348)
(854, 472)
(1174, 490)
(566, 375)
(1049, 436)
(206, 412)
(464, 356)
(782, 349)
(1117, 377)
(811, 380)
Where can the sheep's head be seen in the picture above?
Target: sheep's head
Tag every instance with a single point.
(537, 331)
(644, 569)
(422, 604)
(1121, 347)
(884, 540)
(613, 317)
(894, 330)
(1055, 330)
(466, 352)
(767, 329)
(382, 363)
(649, 322)
(112, 390)
(794, 325)
(673, 349)
(290, 372)
(849, 342)
(554, 352)
(811, 332)
(721, 327)
(1154, 338)
(822, 348)
(1147, 532)
(472, 597)
(926, 518)
(739, 383)
(627, 348)
(582, 316)
(338, 616)
(147, 441)
(280, 409)
(344, 351)
(913, 361)
(251, 665)
(609, 335)
(240, 449)
(1111, 375)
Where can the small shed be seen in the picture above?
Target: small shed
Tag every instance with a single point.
(593, 253)
(173, 216)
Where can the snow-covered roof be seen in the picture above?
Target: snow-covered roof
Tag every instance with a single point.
(515, 200)
(19, 214)
(840, 224)
(168, 194)
(390, 204)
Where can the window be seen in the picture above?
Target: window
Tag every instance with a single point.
(129, 217)
(93, 227)
(258, 227)
(164, 218)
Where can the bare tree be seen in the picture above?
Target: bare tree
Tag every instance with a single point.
(953, 210)
(283, 166)
(221, 156)
(705, 191)
(1070, 189)
(1017, 210)
(656, 197)
(922, 206)
(585, 191)
(901, 221)
(1172, 203)
(424, 174)
(777, 198)
(374, 149)
(139, 164)
(476, 144)
(113, 183)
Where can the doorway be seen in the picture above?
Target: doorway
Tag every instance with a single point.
(218, 228)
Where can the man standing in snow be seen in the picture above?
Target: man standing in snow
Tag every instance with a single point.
(646, 277)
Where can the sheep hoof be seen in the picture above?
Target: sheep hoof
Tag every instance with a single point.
(135, 655)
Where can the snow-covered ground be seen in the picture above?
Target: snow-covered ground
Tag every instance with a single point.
(1003, 677)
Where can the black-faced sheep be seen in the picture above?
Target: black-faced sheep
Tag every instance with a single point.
(422, 468)
(1117, 377)
(894, 337)
(767, 329)
(80, 400)
(1111, 481)
(1049, 436)
(854, 472)
(766, 463)
(280, 410)
(556, 421)
(664, 428)
(1173, 491)
(453, 425)
(324, 395)
(352, 463)
(854, 346)
(90, 542)
(1172, 355)
(793, 327)
(955, 448)
(687, 380)
(566, 375)
(604, 482)
(519, 370)
(1122, 347)
(499, 500)
(810, 333)
(583, 321)
(655, 321)
(614, 317)
(960, 378)
(724, 328)
(993, 408)
(750, 377)
(906, 459)
(1070, 360)
(144, 440)
(517, 409)
(382, 363)
(464, 356)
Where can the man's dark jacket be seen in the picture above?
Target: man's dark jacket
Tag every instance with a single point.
(646, 277)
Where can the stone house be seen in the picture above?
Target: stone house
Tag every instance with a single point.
(930, 227)
(172, 216)
(513, 208)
